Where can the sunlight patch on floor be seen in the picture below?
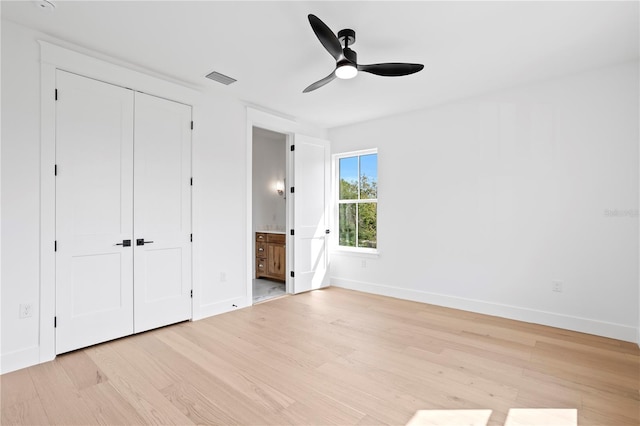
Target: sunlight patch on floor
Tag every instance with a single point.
(542, 416)
(450, 417)
(515, 417)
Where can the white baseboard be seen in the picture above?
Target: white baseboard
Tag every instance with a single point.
(217, 308)
(567, 322)
(17, 360)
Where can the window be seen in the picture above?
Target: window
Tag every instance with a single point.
(357, 190)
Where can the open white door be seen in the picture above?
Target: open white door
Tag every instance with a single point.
(310, 213)
(162, 212)
(94, 202)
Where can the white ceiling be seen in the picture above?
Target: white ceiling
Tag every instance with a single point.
(467, 47)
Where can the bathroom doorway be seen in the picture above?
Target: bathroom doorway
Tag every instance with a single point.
(269, 214)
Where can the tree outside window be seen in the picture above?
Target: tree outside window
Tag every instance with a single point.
(358, 201)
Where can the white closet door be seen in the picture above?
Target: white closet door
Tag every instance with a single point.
(310, 213)
(162, 212)
(94, 202)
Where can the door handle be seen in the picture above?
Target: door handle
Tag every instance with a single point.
(124, 243)
(141, 242)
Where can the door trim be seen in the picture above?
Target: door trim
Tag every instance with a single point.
(53, 57)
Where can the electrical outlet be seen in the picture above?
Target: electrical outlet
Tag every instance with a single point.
(223, 277)
(26, 310)
(556, 286)
(363, 263)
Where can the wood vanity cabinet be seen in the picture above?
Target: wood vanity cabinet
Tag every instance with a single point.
(270, 256)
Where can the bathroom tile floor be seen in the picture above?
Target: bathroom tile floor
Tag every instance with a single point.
(267, 289)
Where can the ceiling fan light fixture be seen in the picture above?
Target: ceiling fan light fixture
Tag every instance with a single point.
(346, 71)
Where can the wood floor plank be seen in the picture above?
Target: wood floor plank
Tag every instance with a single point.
(370, 421)
(616, 367)
(436, 389)
(109, 407)
(198, 407)
(81, 369)
(589, 417)
(147, 401)
(588, 380)
(382, 398)
(309, 388)
(260, 394)
(29, 412)
(433, 367)
(59, 397)
(149, 367)
(298, 381)
(16, 387)
(624, 408)
(331, 356)
(204, 381)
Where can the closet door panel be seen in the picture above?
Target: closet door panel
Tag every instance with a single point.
(94, 204)
(162, 212)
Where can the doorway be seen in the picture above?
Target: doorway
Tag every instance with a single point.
(269, 214)
(307, 167)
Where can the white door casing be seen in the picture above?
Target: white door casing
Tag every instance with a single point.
(162, 212)
(94, 202)
(310, 213)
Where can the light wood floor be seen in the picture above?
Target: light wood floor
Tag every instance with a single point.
(330, 357)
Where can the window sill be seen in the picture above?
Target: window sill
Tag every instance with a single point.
(370, 253)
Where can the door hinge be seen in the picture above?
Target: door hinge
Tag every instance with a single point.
(292, 232)
(292, 274)
(55, 245)
(191, 182)
(191, 237)
(327, 231)
(192, 294)
(192, 125)
(55, 322)
(55, 170)
(293, 147)
(293, 189)
(56, 94)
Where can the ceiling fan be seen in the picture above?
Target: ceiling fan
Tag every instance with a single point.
(346, 59)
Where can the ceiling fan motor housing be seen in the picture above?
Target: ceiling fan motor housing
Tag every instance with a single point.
(347, 37)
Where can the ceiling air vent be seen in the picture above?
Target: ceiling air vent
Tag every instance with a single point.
(220, 78)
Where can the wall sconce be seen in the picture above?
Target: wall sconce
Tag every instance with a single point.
(280, 188)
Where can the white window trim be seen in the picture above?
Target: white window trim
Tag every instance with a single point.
(335, 190)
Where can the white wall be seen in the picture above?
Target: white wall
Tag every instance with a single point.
(269, 167)
(484, 202)
(219, 200)
(20, 188)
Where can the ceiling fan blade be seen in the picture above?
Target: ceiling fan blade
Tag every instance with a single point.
(318, 84)
(391, 69)
(326, 36)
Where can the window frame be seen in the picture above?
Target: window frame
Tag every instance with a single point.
(337, 202)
